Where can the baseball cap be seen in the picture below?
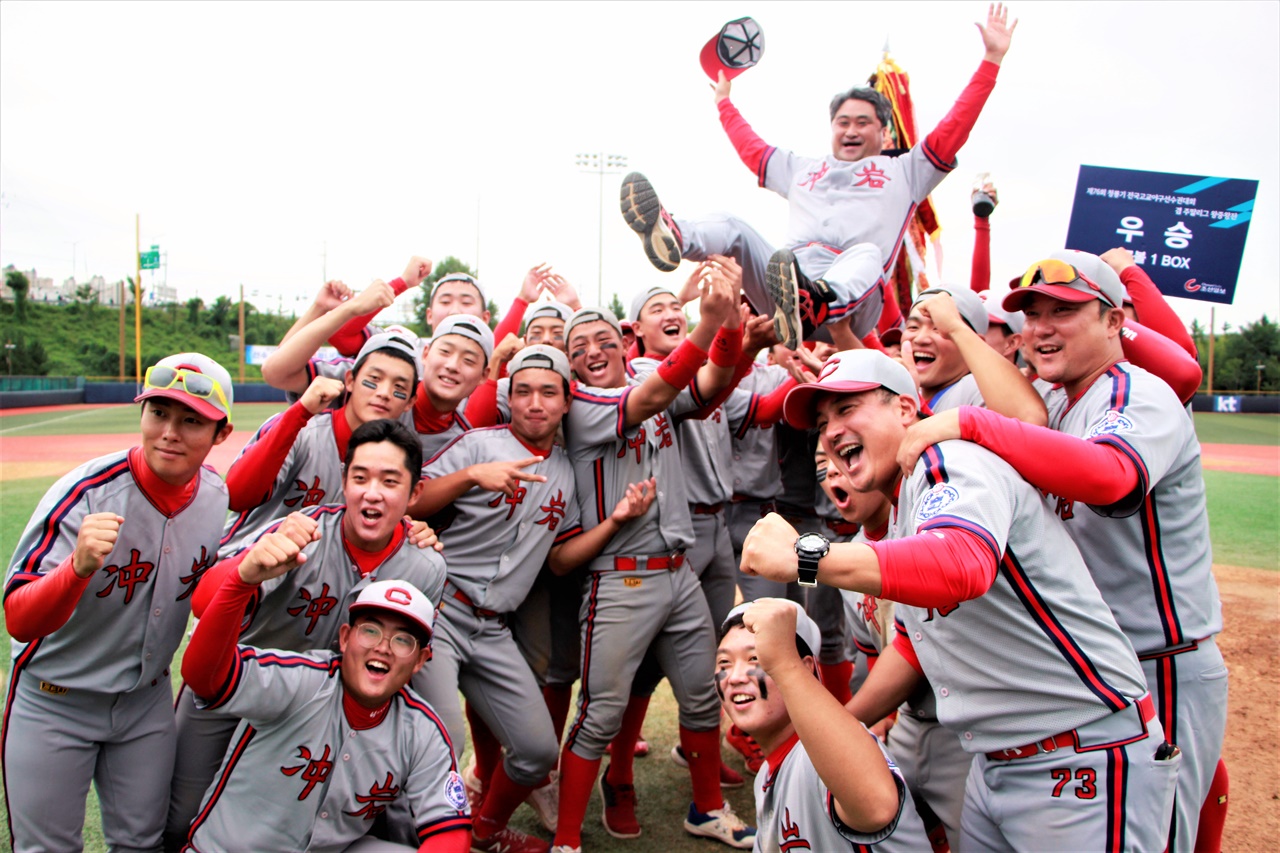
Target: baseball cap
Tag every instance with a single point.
(393, 342)
(967, 303)
(539, 355)
(889, 337)
(642, 298)
(738, 46)
(469, 327)
(193, 379)
(1059, 277)
(397, 596)
(806, 628)
(469, 279)
(555, 310)
(847, 372)
(996, 315)
(590, 315)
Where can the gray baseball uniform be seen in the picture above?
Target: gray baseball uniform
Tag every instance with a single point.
(963, 392)
(92, 699)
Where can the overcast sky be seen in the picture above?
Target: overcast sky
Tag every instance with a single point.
(270, 144)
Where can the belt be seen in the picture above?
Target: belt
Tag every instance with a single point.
(1146, 709)
(479, 611)
(706, 509)
(660, 563)
(840, 528)
(1170, 651)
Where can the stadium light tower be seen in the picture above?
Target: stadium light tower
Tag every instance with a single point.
(600, 164)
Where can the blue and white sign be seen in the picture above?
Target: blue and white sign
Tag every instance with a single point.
(1186, 231)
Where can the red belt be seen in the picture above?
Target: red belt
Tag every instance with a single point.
(662, 563)
(706, 509)
(479, 611)
(1146, 709)
(842, 528)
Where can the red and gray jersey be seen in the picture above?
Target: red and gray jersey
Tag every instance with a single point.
(311, 475)
(796, 811)
(1149, 555)
(840, 204)
(607, 456)
(497, 543)
(303, 608)
(433, 440)
(130, 619)
(297, 776)
(1039, 653)
(707, 457)
(754, 448)
(963, 392)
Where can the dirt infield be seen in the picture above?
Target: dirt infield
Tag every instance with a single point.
(1241, 458)
(55, 455)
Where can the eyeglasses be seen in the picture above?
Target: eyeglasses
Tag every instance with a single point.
(1052, 271)
(370, 635)
(196, 384)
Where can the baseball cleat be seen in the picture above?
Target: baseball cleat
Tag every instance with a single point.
(545, 802)
(506, 840)
(619, 808)
(648, 218)
(746, 746)
(721, 824)
(729, 778)
(799, 305)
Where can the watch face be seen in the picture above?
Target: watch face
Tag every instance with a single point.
(813, 543)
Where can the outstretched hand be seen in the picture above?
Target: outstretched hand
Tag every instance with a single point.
(636, 502)
(721, 88)
(505, 477)
(998, 32)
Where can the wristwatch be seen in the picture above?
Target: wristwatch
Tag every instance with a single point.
(810, 548)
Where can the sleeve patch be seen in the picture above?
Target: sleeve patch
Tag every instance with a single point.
(1111, 423)
(455, 793)
(935, 501)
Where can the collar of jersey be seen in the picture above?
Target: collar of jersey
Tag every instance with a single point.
(779, 755)
(358, 716)
(168, 499)
(425, 417)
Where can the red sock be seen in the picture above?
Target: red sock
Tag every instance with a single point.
(835, 677)
(577, 779)
(1213, 814)
(622, 752)
(558, 698)
(501, 798)
(703, 751)
(487, 748)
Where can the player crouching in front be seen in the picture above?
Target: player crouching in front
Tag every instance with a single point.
(846, 791)
(327, 742)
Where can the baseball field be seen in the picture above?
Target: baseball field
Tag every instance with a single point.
(1241, 456)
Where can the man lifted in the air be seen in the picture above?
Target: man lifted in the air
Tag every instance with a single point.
(849, 209)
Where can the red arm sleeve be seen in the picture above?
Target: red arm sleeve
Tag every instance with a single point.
(212, 580)
(510, 324)
(902, 643)
(354, 332)
(1161, 356)
(942, 145)
(453, 841)
(253, 475)
(211, 654)
(932, 570)
(482, 405)
(44, 605)
(769, 412)
(740, 371)
(1152, 309)
(980, 272)
(1096, 473)
(753, 150)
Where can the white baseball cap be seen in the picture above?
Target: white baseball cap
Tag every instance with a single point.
(554, 310)
(469, 279)
(643, 297)
(997, 316)
(193, 379)
(467, 326)
(393, 342)
(848, 372)
(1093, 279)
(396, 596)
(590, 315)
(806, 628)
(970, 306)
(539, 355)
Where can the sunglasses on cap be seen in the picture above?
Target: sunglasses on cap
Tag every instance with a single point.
(162, 378)
(1052, 271)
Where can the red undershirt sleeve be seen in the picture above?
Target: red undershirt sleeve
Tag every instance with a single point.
(1096, 473)
(354, 332)
(753, 150)
(980, 271)
(943, 144)
(510, 324)
(1157, 354)
(210, 655)
(212, 580)
(1152, 309)
(482, 405)
(42, 606)
(453, 841)
(252, 476)
(936, 568)
(902, 643)
(769, 412)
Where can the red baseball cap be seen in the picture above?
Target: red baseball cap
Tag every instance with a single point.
(738, 46)
(848, 372)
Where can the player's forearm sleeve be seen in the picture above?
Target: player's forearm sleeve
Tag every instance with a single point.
(482, 405)
(980, 271)
(1153, 310)
(769, 412)
(213, 579)
(355, 332)
(942, 145)
(210, 655)
(935, 568)
(44, 605)
(1161, 356)
(680, 368)
(753, 150)
(510, 324)
(252, 476)
(453, 841)
(1096, 473)
(740, 372)
(902, 644)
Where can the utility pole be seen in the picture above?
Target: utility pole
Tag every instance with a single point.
(600, 164)
(137, 299)
(1211, 328)
(242, 334)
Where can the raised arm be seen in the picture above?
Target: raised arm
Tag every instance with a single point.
(348, 339)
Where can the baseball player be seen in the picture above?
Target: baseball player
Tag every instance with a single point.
(638, 594)
(327, 742)
(1126, 481)
(848, 209)
(1067, 750)
(829, 784)
(96, 600)
(351, 545)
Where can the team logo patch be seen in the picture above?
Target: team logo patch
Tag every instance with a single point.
(455, 793)
(1110, 424)
(936, 500)
(632, 582)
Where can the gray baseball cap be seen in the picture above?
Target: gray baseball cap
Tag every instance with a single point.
(848, 372)
(555, 310)
(469, 279)
(539, 355)
(469, 327)
(806, 628)
(637, 304)
(996, 315)
(393, 342)
(590, 315)
(968, 303)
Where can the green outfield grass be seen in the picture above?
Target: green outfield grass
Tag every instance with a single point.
(1244, 517)
(1215, 428)
(112, 420)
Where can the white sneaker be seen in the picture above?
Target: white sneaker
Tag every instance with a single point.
(721, 824)
(545, 802)
(565, 848)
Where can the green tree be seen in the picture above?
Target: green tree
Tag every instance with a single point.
(194, 306)
(221, 312)
(447, 266)
(615, 305)
(17, 281)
